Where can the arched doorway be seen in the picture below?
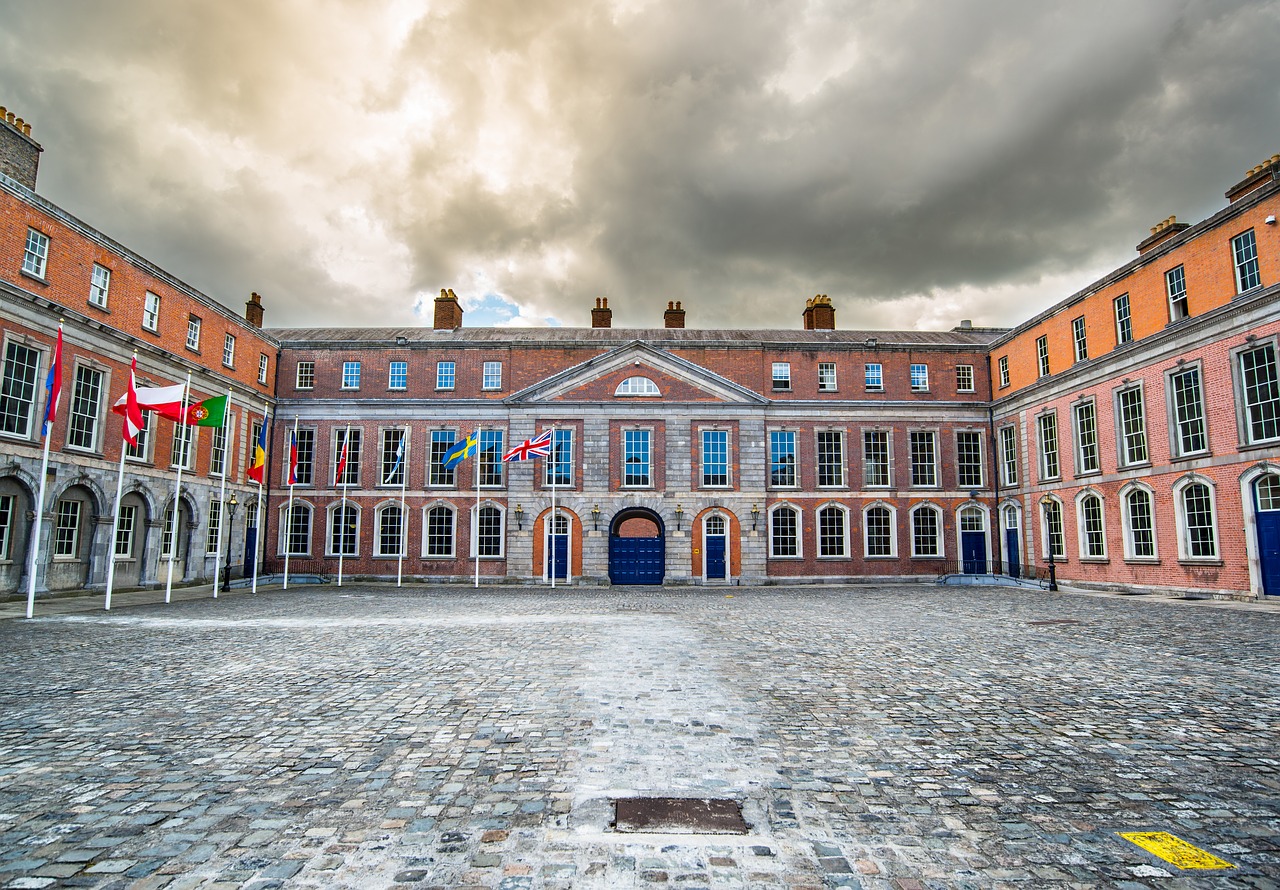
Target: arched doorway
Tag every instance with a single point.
(1266, 501)
(556, 560)
(1013, 563)
(637, 547)
(715, 550)
(973, 540)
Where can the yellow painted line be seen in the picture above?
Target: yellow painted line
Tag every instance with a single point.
(1174, 850)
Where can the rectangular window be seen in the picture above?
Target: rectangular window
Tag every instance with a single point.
(964, 378)
(213, 529)
(1055, 542)
(138, 451)
(306, 376)
(1261, 393)
(7, 502)
(99, 286)
(830, 459)
(193, 333)
(229, 351)
(924, 455)
(559, 466)
(181, 452)
(1124, 324)
(350, 472)
(218, 451)
(491, 460)
(782, 458)
(826, 376)
(1175, 282)
(445, 373)
(151, 312)
(350, 375)
(875, 376)
(125, 527)
(715, 458)
(86, 402)
(1245, 250)
(1003, 365)
(66, 532)
(635, 459)
(1086, 420)
(1047, 426)
(441, 442)
(398, 375)
(298, 540)
(969, 460)
(1079, 338)
(919, 378)
(18, 395)
(392, 460)
(782, 375)
(1009, 454)
(306, 457)
(1133, 426)
(491, 376)
(1189, 435)
(35, 257)
(167, 537)
(1042, 355)
(875, 459)
(263, 364)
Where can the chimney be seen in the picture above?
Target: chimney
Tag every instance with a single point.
(808, 314)
(19, 153)
(448, 312)
(1255, 178)
(602, 315)
(253, 310)
(1162, 232)
(674, 316)
(819, 314)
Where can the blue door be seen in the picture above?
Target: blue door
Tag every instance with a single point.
(715, 557)
(973, 551)
(1267, 500)
(637, 560)
(1011, 552)
(250, 550)
(560, 557)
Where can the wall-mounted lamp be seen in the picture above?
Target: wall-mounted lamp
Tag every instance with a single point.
(595, 518)
(679, 516)
(519, 518)
(1270, 220)
(755, 516)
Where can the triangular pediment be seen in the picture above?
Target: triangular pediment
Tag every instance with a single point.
(597, 380)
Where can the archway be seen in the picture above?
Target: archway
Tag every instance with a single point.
(637, 547)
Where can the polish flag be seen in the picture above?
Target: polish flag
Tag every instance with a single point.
(133, 422)
(164, 400)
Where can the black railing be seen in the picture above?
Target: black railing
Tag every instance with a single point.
(1018, 570)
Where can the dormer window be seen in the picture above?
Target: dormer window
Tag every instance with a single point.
(637, 386)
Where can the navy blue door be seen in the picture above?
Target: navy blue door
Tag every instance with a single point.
(715, 557)
(250, 549)
(637, 560)
(973, 550)
(1011, 551)
(1269, 550)
(560, 557)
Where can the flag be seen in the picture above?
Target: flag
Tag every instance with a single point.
(210, 412)
(293, 458)
(164, 400)
(391, 474)
(54, 386)
(259, 464)
(460, 451)
(342, 459)
(539, 446)
(134, 422)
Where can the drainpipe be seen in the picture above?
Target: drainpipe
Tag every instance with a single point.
(996, 531)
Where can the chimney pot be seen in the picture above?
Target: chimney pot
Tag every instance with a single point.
(602, 315)
(448, 314)
(253, 310)
(674, 316)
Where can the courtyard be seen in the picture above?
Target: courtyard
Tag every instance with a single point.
(896, 737)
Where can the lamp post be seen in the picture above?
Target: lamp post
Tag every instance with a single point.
(231, 518)
(679, 516)
(755, 515)
(519, 511)
(1053, 572)
(595, 518)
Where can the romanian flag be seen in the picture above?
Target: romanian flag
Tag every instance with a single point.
(210, 412)
(258, 466)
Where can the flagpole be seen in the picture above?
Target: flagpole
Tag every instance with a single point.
(257, 510)
(555, 472)
(404, 509)
(342, 528)
(44, 473)
(177, 489)
(115, 530)
(288, 514)
(222, 498)
(475, 522)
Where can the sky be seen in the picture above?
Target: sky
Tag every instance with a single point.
(919, 162)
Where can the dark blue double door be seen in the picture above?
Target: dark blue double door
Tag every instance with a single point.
(637, 560)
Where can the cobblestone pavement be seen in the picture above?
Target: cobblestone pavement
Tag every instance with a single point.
(894, 737)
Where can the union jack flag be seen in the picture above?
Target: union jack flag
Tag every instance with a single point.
(538, 446)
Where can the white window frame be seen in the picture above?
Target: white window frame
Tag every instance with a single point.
(213, 529)
(284, 527)
(351, 371)
(934, 480)
(939, 531)
(637, 386)
(843, 511)
(229, 351)
(491, 376)
(1043, 452)
(141, 453)
(1080, 338)
(798, 534)
(1010, 455)
(126, 529)
(1124, 319)
(35, 256)
(502, 530)
(99, 286)
(1184, 532)
(795, 459)
(393, 366)
(1042, 355)
(826, 377)
(58, 551)
(702, 461)
(1177, 419)
(873, 375)
(1175, 285)
(309, 377)
(839, 461)
(1245, 407)
(1002, 365)
(1045, 537)
(919, 377)
(446, 375)
(1130, 437)
(638, 435)
(104, 388)
(982, 460)
(193, 332)
(893, 531)
(781, 376)
(151, 312)
(329, 528)
(453, 530)
(1126, 523)
(402, 544)
(1078, 437)
(888, 459)
(28, 419)
(264, 365)
(1082, 528)
(964, 378)
(1244, 256)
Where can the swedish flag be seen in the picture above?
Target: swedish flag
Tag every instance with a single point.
(460, 451)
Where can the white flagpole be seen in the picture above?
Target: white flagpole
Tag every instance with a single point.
(44, 475)
(342, 526)
(475, 523)
(404, 509)
(115, 528)
(257, 510)
(288, 514)
(222, 497)
(184, 431)
(555, 468)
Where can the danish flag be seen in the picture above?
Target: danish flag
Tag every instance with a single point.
(539, 446)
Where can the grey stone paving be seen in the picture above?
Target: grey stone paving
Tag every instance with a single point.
(899, 737)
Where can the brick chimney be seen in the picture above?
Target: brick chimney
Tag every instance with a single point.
(602, 315)
(253, 310)
(1162, 232)
(1255, 178)
(19, 153)
(674, 316)
(819, 314)
(448, 312)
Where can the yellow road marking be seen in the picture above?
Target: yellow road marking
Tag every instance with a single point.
(1174, 850)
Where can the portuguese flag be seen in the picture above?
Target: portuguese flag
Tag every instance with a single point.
(210, 412)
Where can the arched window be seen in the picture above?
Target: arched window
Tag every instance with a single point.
(1196, 516)
(488, 537)
(344, 530)
(1051, 516)
(1268, 489)
(1093, 538)
(784, 532)
(637, 386)
(879, 535)
(833, 531)
(715, 525)
(438, 522)
(926, 528)
(390, 540)
(1139, 524)
(295, 529)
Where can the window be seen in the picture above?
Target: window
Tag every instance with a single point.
(390, 531)
(1245, 250)
(151, 312)
(1261, 393)
(1003, 365)
(1047, 426)
(491, 376)
(1009, 454)
(784, 532)
(1175, 282)
(66, 530)
(306, 441)
(637, 386)
(444, 375)
(1086, 438)
(877, 525)
(351, 471)
(488, 536)
(441, 442)
(832, 532)
(491, 459)
(168, 535)
(559, 467)
(782, 458)
(193, 333)
(398, 375)
(826, 376)
(1124, 324)
(635, 459)
(218, 451)
(1042, 355)
(926, 527)
(139, 451)
(86, 400)
(1140, 538)
(830, 458)
(263, 364)
(36, 255)
(875, 377)
(350, 375)
(715, 458)
(99, 286)
(964, 378)
(1054, 543)
(7, 504)
(181, 452)
(392, 457)
(438, 541)
(1189, 436)
(1079, 339)
(297, 540)
(128, 522)
(344, 530)
(1133, 426)
(782, 375)
(229, 351)
(213, 529)
(969, 459)
(875, 458)
(305, 377)
(1093, 540)
(18, 395)
(919, 378)
(1199, 528)
(924, 453)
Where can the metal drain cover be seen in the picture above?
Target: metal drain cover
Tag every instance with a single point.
(678, 815)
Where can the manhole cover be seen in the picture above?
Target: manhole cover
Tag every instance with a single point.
(1053, 621)
(678, 815)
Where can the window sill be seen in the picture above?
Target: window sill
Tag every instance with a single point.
(935, 557)
(875, 389)
(886, 556)
(230, 367)
(344, 556)
(1088, 474)
(834, 558)
(922, 392)
(303, 388)
(154, 330)
(40, 279)
(94, 306)
(1094, 560)
(1254, 446)
(444, 389)
(1195, 455)
(1199, 561)
(1142, 560)
(195, 350)
(787, 558)
(397, 389)
(1137, 465)
(294, 555)
(829, 391)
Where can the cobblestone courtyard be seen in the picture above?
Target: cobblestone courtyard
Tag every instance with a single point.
(903, 737)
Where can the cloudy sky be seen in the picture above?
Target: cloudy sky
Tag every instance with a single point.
(920, 162)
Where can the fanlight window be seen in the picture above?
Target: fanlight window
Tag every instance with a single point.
(637, 386)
